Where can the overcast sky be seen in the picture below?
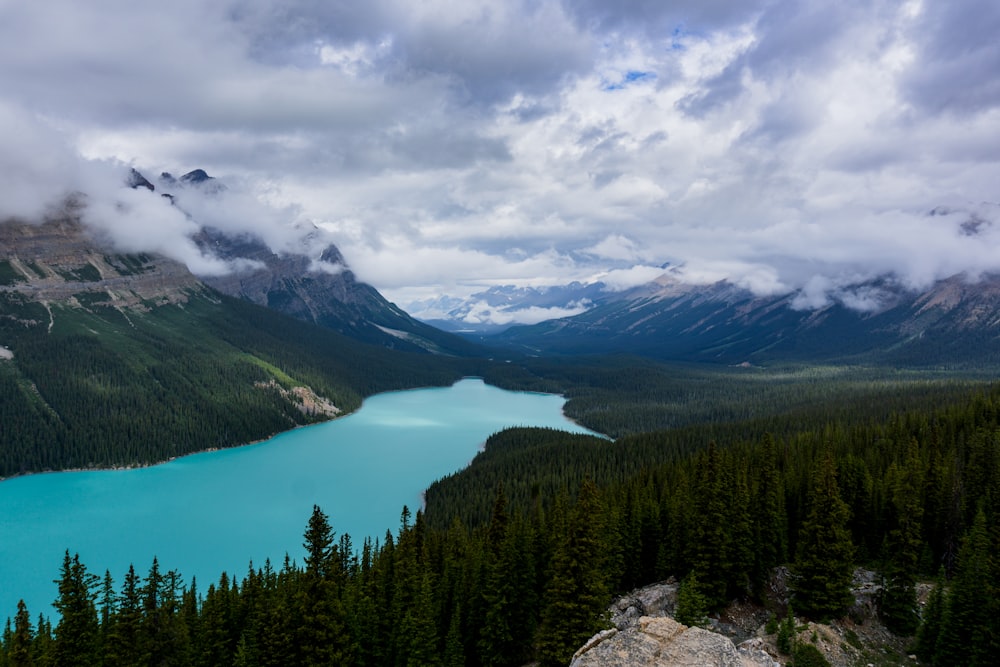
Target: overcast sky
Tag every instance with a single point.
(450, 145)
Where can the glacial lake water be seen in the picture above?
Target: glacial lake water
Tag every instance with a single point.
(216, 511)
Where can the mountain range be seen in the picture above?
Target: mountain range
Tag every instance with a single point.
(956, 320)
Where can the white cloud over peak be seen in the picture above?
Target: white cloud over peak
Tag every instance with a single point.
(446, 146)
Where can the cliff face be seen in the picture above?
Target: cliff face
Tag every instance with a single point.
(58, 261)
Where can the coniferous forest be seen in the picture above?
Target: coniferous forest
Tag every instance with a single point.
(515, 558)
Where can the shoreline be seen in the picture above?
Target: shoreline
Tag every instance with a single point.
(140, 466)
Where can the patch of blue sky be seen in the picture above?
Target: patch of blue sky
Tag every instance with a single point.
(678, 37)
(630, 76)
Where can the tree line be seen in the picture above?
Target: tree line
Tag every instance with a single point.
(516, 558)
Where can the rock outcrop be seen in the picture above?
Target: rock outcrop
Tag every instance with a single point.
(58, 261)
(663, 642)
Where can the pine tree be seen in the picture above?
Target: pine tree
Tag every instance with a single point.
(824, 566)
(692, 607)
(77, 631)
(419, 628)
(19, 651)
(899, 598)
(711, 548)
(770, 518)
(577, 593)
(930, 626)
(322, 633)
(497, 643)
(122, 646)
(965, 636)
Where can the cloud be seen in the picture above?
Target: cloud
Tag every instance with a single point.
(483, 313)
(38, 168)
(449, 146)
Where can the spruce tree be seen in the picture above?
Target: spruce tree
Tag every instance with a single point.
(122, 647)
(76, 634)
(692, 607)
(418, 628)
(930, 626)
(770, 518)
(965, 637)
(711, 548)
(899, 599)
(577, 592)
(19, 646)
(322, 633)
(824, 566)
(496, 639)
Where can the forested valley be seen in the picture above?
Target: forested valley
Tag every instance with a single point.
(515, 558)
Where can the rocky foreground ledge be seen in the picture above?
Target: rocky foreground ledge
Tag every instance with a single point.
(663, 642)
(644, 633)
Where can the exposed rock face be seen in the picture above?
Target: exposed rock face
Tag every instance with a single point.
(307, 401)
(323, 291)
(663, 642)
(58, 261)
(645, 635)
(653, 600)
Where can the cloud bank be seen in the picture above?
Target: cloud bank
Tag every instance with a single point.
(448, 146)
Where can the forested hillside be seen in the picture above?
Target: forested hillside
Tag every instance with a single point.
(515, 558)
(102, 386)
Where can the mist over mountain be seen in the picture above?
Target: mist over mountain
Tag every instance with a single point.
(502, 306)
(884, 321)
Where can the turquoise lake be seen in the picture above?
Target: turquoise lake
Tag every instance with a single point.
(216, 511)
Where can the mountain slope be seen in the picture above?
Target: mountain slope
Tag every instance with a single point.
(110, 359)
(308, 279)
(324, 292)
(954, 321)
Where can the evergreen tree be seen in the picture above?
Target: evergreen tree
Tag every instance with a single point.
(692, 607)
(711, 548)
(770, 517)
(899, 598)
(321, 553)
(930, 626)
(454, 653)
(76, 634)
(786, 632)
(970, 609)
(322, 633)
(577, 593)
(122, 647)
(42, 649)
(19, 653)
(824, 566)
(498, 642)
(419, 629)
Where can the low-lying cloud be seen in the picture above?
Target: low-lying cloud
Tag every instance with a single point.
(444, 147)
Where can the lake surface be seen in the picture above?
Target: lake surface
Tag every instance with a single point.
(208, 513)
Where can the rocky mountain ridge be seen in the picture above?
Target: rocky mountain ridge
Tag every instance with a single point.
(59, 260)
(313, 287)
(956, 319)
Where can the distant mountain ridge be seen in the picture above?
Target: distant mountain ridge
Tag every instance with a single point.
(501, 306)
(956, 320)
